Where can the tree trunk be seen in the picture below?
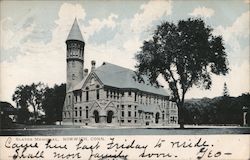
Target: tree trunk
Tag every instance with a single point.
(35, 113)
(180, 116)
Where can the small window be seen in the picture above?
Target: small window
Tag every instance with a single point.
(135, 121)
(75, 120)
(122, 121)
(129, 106)
(73, 77)
(122, 113)
(129, 93)
(122, 107)
(129, 121)
(129, 113)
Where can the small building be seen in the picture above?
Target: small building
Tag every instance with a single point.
(111, 94)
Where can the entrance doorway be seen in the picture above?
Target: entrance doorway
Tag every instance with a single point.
(96, 115)
(110, 116)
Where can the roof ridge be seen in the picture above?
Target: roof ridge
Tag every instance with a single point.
(104, 63)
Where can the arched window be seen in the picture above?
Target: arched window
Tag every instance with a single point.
(92, 81)
(87, 112)
(110, 116)
(80, 96)
(97, 92)
(157, 117)
(96, 115)
(135, 96)
(107, 93)
(80, 112)
(87, 94)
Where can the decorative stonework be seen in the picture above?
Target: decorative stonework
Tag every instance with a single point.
(93, 100)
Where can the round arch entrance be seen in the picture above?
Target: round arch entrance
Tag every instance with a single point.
(110, 116)
(96, 116)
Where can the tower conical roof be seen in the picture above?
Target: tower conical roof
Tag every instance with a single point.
(75, 32)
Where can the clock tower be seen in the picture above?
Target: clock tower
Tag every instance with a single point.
(75, 56)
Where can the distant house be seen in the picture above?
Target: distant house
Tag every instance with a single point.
(111, 94)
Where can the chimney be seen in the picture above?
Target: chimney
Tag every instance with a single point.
(85, 72)
(92, 65)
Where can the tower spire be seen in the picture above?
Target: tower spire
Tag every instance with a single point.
(75, 32)
(75, 56)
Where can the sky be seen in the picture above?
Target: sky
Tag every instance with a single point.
(33, 35)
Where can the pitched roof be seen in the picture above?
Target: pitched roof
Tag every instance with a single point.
(7, 108)
(75, 32)
(78, 86)
(120, 77)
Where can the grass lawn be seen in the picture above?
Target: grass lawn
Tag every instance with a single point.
(56, 130)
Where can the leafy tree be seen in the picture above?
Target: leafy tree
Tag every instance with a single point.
(219, 110)
(53, 103)
(20, 96)
(29, 95)
(185, 54)
(23, 115)
(225, 90)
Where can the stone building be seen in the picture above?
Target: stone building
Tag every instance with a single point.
(110, 94)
